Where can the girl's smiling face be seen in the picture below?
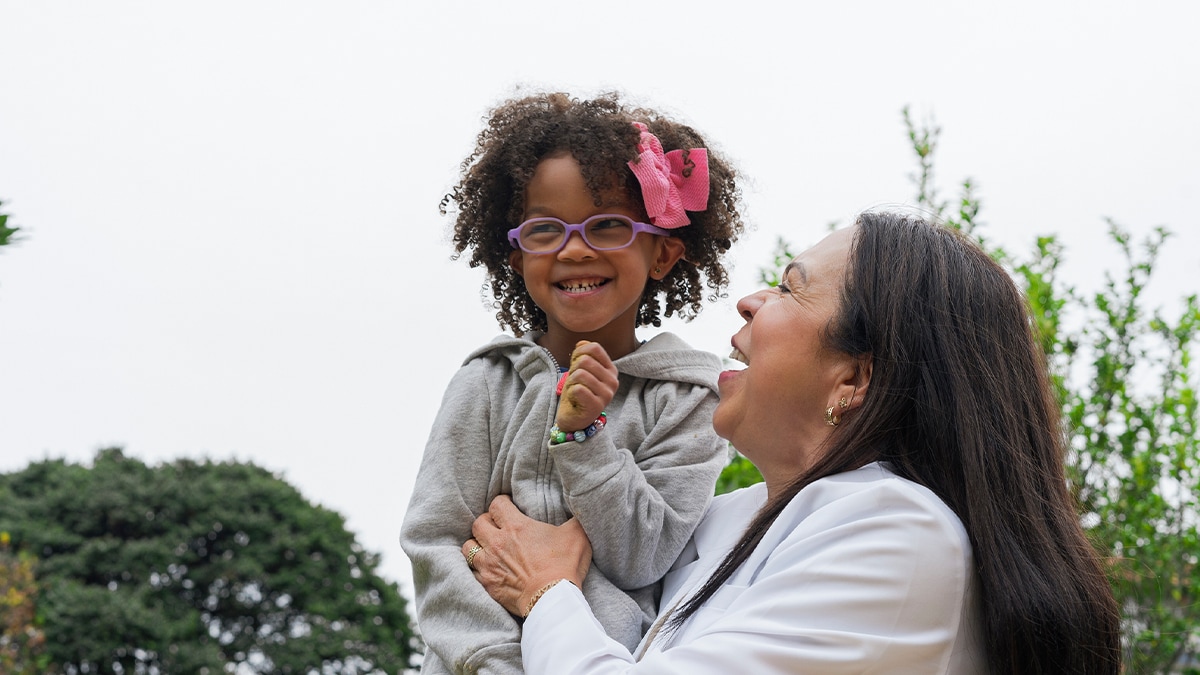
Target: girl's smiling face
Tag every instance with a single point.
(585, 293)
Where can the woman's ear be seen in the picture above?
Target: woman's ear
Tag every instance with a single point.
(861, 380)
(853, 379)
(517, 262)
(670, 250)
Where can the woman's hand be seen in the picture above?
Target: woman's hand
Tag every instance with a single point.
(521, 555)
(590, 386)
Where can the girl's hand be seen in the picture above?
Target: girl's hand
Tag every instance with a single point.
(521, 555)
(590, 386)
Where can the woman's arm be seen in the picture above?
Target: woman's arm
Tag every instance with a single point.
(865, 578)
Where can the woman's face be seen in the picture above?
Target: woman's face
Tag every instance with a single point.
(773, 411)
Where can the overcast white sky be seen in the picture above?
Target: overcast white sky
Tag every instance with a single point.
(232, 244)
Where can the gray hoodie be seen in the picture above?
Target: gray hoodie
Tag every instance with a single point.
(638, 487)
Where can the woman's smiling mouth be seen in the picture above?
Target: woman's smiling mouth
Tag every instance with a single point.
(738, 356)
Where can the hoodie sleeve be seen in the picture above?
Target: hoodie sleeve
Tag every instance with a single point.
(640, 504)
(465, 629)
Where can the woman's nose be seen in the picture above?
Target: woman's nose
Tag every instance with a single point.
(748, 306)
(576, 248)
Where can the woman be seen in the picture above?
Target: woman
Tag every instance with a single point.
(914, 515)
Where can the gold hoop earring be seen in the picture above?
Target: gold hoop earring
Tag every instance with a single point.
(831, 419)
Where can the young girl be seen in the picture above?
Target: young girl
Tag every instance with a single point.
(592, 219)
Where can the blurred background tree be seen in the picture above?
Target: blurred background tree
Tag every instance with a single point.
(22, 642)
(194, 567)
(21, 639)
(1125, 376)
(6, 232)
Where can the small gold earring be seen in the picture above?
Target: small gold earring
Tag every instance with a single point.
(658, 270)
(843, 404)
(831, 419)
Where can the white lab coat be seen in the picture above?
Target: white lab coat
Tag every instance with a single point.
(863, 572)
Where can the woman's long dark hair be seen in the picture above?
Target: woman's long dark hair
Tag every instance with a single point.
(959, 401)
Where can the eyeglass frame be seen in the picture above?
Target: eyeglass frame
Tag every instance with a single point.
(514, 235)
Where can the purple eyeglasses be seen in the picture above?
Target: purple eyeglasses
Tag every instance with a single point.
(603, 232)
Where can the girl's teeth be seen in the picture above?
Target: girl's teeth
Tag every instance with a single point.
(573, 287)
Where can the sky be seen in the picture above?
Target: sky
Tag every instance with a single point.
(232, 247)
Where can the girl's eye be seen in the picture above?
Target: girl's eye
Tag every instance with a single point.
(543, 228)
(608, 224)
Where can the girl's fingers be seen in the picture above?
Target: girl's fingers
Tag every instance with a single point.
(593, 350)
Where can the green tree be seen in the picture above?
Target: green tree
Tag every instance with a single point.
(22, 642)
(6, 232)
(1130, 409)
(198, 567)
(1126, 379)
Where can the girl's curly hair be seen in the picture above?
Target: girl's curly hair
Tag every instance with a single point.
(599, 133)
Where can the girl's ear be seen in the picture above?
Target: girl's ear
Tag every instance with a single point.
(670, 250)
(517, 262)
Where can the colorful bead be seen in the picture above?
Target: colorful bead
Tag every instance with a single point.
(558, 436)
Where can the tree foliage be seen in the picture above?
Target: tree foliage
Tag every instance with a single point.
(6, 232)
(22, 642)
(198, 567)
(1129, 401)
(1126, 380)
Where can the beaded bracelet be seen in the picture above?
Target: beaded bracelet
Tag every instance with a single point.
(558, 436)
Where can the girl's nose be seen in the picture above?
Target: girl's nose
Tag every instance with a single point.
(748, 306)
(576, 248)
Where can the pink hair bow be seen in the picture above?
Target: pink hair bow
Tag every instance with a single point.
(672, 183)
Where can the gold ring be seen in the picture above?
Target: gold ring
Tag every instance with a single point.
(471, 555)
